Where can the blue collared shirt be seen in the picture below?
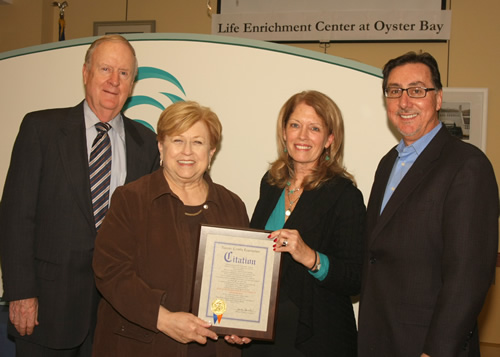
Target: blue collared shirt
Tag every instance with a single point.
(118, 151)
(406, 157)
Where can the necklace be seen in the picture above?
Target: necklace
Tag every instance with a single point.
(290, 192)
(193, 214)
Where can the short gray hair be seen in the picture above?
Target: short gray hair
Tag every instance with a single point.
(109, 38)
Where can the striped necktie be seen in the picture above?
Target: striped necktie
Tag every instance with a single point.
(100, 172)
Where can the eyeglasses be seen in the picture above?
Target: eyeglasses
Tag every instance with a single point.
(413, 92)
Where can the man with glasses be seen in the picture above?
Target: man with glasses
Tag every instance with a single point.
(432, 228)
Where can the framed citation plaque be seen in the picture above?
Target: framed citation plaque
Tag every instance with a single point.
(236, 283)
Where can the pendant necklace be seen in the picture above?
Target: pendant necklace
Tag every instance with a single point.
(290, 192)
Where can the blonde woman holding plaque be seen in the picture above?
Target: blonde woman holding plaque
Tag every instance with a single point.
(317, 216)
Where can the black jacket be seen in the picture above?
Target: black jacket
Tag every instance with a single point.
(47, 224)
(331, 220)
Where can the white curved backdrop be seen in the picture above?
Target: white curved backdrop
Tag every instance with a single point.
(244, 81)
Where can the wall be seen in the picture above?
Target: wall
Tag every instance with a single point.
(469, 59)
(260, 75)
(21, 24)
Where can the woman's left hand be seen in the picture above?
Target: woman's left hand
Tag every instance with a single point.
(235, 340)
(290, 241)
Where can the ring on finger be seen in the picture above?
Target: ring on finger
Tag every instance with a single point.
(285, 243)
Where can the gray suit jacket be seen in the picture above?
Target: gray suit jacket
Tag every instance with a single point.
(430, 256)
(47, 225)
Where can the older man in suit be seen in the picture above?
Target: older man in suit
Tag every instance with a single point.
(432, 228)
(53, 203)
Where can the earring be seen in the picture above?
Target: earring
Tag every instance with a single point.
(161, 163)
(209, 165)
(327, 157)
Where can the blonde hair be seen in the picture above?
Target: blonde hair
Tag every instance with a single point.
(180, 116)
(330, 162)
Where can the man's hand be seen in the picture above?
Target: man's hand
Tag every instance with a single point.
(24, 315)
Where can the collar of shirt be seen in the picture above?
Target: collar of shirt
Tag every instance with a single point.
(419, 145)
(91, 120)
(407, 155)
(160, 187)
(118, 150)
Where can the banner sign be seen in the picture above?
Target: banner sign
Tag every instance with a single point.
(336, 26)
(266, 6)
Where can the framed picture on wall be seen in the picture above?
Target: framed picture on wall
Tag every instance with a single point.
(123, 27)
(464, 112)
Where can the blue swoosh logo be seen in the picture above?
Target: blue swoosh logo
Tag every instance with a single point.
(153, 73)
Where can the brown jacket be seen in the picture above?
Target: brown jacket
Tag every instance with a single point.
(142, 260)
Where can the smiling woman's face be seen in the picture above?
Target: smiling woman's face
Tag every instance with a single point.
(186, 155)
(306, 136)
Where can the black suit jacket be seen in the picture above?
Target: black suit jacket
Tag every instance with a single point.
(47, 225)
(330, 219)
(430, 256)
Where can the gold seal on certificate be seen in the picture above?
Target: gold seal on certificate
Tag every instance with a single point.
(218, 308)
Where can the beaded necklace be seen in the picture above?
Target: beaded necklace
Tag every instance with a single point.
(290, 192)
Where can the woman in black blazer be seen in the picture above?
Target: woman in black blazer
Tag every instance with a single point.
(317, 216)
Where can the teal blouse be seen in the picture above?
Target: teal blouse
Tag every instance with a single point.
(277, 221)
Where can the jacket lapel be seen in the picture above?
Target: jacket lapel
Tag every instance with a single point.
(315, 204)
(134, 144)
(381, 178)
(426, 161)
(268, 199)
(73, 151)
